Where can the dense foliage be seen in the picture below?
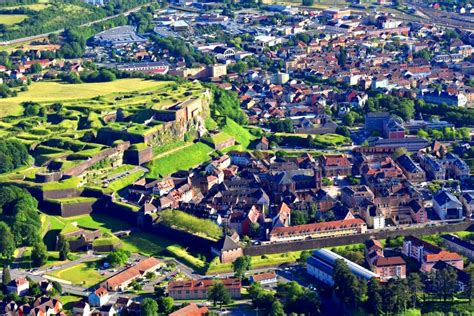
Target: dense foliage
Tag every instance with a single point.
(18, 211)
(118, 257)
(13, 154)
(190, 223)
(227, 104)
(178, 48)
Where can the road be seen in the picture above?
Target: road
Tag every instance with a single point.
(38, 36)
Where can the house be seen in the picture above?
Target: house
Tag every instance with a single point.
(354, 195)
(81, 308)
(45, 305)
(121, 280)
(198, 289)
(122, 303)
(335, 165)
(264, 278)
(191, 310)
(19, 286)
(412, 171)
(45, 286)
(108, 310)
(467, 200)
(99, 297)
(283, 216)
(322, 262)
(428, 254)
(373, 216)
(386, 267)
(228, 249)
(263, 144)
(318, 230)
(456, 244)
(447, 205)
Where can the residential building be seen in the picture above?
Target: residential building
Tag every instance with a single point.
(335, 165)
(99, 297)
(264, 278)
(198, 289)
(322, 262)
(447, 205)
(354, 195)
(427, 254)
(191, 310)
(228, 249)
(18, 286)
(318, 230)
(412, 171)
(467, 200)
(456, 244)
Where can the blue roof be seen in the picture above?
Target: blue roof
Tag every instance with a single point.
(325, 260)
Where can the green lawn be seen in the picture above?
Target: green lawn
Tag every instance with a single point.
(145, 243)
(84, 274)
(179, 160)
(11, 19)
(47, 91)
(240, 133)
(184, 256)
(69, 300)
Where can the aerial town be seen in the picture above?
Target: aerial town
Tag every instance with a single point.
(206, 157)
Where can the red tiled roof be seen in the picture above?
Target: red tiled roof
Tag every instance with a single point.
(191, 310)
(264, 276)
(389, 261)
(190, 285)
(299, 229)
(132, 272)
(443, 256)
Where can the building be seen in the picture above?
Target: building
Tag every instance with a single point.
(81, 308)
(120, 35)
(412, 171)
(375, 121)
(191, 310)
(335, 165)
(322, 262)
(228, 249)
(386, 267)
(428, 254)
(99, 297)
(318, 230)
(467, 200)
(456, 99)
(198, 289)
(122, 280)
(336, 13)
(355, 195)
(447, 205)
(265, 278)
(18, 286)
(373, 216)
(456, 244)
(412, 144)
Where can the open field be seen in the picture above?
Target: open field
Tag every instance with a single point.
(55, 91)
(11, 19)
(179, 160)
(81, 274)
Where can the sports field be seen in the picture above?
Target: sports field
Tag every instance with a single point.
(55, 91)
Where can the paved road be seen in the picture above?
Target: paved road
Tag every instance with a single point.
(38, 36)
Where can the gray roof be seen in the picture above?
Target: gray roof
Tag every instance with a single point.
(443, 197)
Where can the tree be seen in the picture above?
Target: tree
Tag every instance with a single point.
(6, 277)
(304, 257)
(63, 247)
(343, 131)
(218, 294)
(7, 241)
(165, 304)
(118, 257)
(240, 265)
(36, 68)
(342, 57)
(299, 217)
(39, 254)
(277, 309)
(374, 298)
(415, 285)
(346, 285)
(308, 3)
(445, 283)
(254, 229)
(149, 307)
(470, 286)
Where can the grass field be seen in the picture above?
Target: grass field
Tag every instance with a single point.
(179, 160)
(241, 135)
(55, 91)
(81, 274)
(11, 19)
